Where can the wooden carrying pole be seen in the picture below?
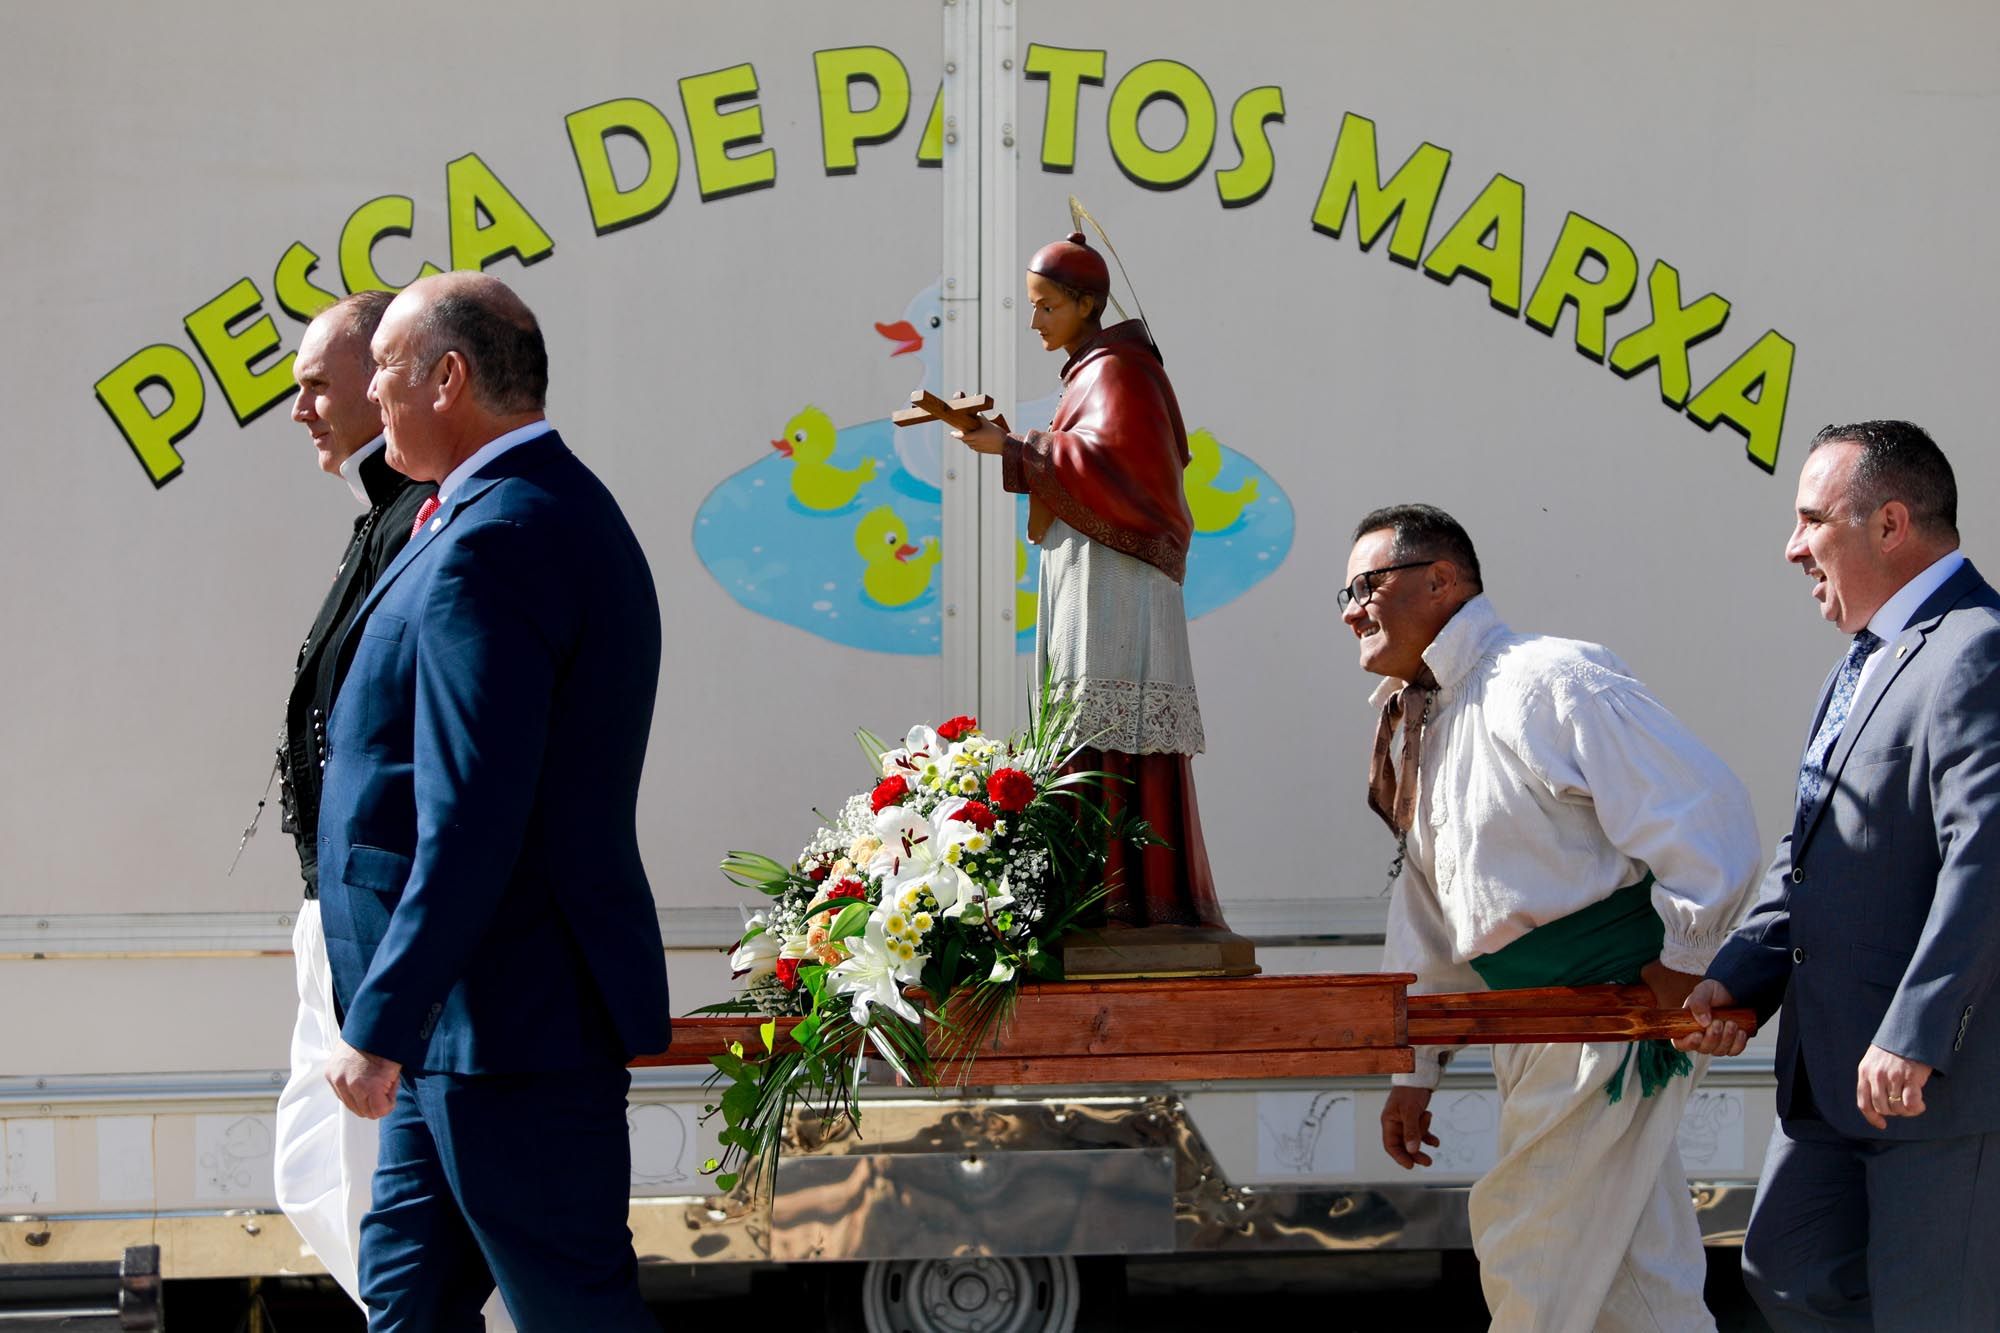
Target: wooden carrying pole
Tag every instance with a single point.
(1244, 1027)
(1552, 1013)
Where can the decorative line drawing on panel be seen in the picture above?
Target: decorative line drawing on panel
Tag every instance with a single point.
(659, 1145)
(1706, 1138)
(233, 1156)
(1294, 1145)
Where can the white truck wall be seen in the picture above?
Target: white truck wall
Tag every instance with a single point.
(1825, 169)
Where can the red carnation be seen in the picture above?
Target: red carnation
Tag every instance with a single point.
(888, 791)
(957, 728)
(975, 813)
(847, 887)
(1011, 789)
(788, 973)
(816, 873)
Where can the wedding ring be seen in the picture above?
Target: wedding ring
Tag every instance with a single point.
(1895, 1097)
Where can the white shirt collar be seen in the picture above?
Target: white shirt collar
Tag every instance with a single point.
(489, 451)
(1456, 649)
(1460, 644)
(350, 468)
(1894, 616)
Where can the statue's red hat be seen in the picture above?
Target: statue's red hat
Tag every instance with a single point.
(1074, 264)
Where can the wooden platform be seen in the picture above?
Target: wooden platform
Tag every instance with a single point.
(1323, 1026)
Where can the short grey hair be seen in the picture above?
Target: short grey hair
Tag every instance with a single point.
(500, 339)
(357, 317)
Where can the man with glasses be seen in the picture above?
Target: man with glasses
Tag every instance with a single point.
(1555, 825)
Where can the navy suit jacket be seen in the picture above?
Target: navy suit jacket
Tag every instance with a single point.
(1879, 920)
(484, 903)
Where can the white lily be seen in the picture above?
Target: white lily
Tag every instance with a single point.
(978, 894)
(915, 853)
(873, 975)
(757, 956)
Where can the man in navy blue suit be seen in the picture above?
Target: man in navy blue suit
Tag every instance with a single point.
(495, 950)
(1878, 926)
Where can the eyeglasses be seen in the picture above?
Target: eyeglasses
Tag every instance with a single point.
(1362, 588)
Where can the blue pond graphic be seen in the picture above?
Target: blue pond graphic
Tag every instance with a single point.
(828, 542)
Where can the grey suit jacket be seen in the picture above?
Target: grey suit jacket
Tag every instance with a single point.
(1879, 920)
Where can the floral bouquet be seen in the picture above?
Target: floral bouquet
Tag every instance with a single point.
(932, 895)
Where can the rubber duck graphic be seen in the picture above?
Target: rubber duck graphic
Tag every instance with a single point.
(920, 449)
(816, 483)
(893, 573)
(1024, 598)
(1213, 509)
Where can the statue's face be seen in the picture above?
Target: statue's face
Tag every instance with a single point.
(1062, 321)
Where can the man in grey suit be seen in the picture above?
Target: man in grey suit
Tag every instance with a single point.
(1878, 925)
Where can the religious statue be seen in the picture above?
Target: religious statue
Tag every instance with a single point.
(1107, 509)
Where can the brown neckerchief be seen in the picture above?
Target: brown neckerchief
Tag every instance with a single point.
(1391, 794)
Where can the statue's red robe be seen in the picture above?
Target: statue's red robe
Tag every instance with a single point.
(1110, 466)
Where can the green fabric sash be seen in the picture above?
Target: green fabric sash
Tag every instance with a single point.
(1605, 944)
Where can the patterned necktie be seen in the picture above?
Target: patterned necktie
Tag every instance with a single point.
(424, 512)
(1812, 773)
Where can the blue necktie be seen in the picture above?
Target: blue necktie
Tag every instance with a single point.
(1812, 773)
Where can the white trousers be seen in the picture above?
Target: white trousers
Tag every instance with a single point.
(325, 1155)
(1585, 1224)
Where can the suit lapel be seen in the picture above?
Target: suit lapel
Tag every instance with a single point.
(1900, 654)
(512, 463)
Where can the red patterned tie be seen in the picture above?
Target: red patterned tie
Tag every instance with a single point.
(424, 512)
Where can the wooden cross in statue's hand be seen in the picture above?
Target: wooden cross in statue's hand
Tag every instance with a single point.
(961, 413)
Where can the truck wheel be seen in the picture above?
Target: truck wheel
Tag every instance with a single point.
(971, 1295)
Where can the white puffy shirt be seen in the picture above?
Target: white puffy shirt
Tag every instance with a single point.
(1551, 778)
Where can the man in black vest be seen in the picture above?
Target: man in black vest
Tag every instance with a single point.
(325, 1156)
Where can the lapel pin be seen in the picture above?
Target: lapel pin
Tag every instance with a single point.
(437, 523)
(1901, 648)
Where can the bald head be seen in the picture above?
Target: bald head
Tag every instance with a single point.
(459, 361)
(482, 319)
